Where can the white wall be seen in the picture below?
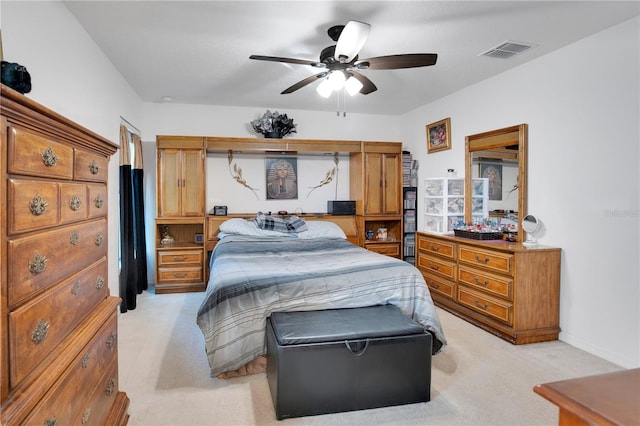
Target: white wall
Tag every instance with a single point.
(582, 107)
(581, 104)
(71, 76)
(201, 120)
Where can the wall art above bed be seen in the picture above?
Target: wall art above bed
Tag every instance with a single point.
(282, 178)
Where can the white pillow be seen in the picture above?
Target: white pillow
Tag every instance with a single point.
(239, 226)
(322, 229)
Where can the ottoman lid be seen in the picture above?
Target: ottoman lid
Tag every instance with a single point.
(291, 328)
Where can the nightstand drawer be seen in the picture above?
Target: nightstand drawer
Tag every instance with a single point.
(436, 247)
(492, 260)
(388, 249)
(179, 275)
(497, 285)
(180, 257)
(437, 266)
(501, 311)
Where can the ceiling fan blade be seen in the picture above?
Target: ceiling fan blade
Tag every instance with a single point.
(303, 83)
(287, 60)
(393, 62)
(367, 85)
(351, 40)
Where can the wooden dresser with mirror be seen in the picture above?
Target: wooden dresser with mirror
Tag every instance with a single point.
(504, 287)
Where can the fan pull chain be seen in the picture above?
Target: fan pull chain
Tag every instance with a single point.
(344, 104)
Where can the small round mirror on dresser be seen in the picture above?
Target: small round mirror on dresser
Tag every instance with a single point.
(530, 225)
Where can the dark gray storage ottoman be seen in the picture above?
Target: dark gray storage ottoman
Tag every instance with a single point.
(337, 360)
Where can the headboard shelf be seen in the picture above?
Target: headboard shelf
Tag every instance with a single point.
(301, 146)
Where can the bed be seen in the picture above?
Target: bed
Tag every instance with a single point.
(257, 271)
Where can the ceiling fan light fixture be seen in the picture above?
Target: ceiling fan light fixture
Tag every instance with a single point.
(324, 89)
(337, 80)
(352, 39)
(353, 86)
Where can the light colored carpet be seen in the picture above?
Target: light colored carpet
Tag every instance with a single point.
(477, 379)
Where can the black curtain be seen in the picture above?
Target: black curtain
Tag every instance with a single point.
(139, 244)
(133, 261)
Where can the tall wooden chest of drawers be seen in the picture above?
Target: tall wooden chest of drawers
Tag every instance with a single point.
(58, 322)
(505, 288)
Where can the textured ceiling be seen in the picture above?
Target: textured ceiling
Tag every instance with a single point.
(197, 52)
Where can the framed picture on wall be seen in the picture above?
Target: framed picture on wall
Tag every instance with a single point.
(439, 135)
(281, 178)
(493, 172)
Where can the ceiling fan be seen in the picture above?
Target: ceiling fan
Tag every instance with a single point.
(341, 66)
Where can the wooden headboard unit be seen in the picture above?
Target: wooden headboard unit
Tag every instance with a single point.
(347, 223)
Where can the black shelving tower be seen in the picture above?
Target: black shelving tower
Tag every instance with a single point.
(409, 206)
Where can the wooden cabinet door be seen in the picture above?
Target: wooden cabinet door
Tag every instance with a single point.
(180, 182)
(374, 175)
(192, 182)
(169, 182)
(383, 191)
(392, 190)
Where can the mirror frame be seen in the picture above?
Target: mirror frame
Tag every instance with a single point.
(495, 139)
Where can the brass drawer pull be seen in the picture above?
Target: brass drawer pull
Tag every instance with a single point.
(433, 266)
(75, 237)
(183, 275)
(111, 386)
(49, 158)
(485, 260)
(99, 282)
(38, 206)
(85, 416)
(40, 332)
(75, 203)
(483, 283)
(98, 201)
(434, 248)
(76, 288)
(99, 239)
(51, 422)
(93, 167)
(111, 340)
(85, 360)
(180, 259)
(38, 264)
(485, 306)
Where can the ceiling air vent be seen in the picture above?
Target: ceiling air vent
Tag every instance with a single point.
(507, 49)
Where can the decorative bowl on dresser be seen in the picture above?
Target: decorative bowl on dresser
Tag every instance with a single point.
(58, 323)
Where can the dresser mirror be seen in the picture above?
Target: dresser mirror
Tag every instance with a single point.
(501, 156)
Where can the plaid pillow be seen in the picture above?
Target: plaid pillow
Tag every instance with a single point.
(295, 224)
(272, 223)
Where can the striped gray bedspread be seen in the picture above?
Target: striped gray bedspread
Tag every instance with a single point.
(252, 277)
